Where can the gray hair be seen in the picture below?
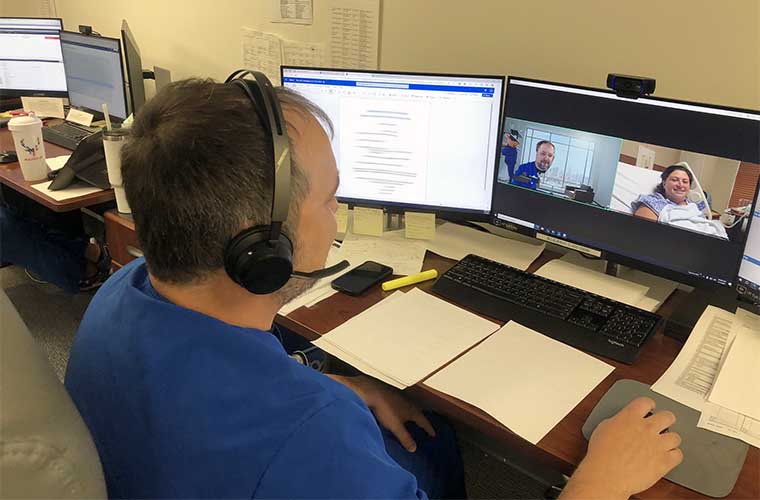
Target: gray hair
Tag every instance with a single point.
(198, 169)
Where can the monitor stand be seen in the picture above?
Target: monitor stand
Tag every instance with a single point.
(690, 307)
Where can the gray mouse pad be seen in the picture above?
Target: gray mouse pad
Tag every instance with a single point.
(712, 462)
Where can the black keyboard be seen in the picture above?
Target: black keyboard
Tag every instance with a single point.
(578, 318)
(65, 135)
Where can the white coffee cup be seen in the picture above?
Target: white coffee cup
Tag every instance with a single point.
(27, 136)
(113, 141)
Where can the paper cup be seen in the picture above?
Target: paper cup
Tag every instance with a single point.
(27, 136)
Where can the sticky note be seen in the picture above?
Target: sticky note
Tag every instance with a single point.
(420, 226)
(50, 107)
(368, 221)
(80, 117)
(341, 216)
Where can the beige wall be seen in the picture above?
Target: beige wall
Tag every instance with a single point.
(716, 175)
(699, 50)
(662, 156)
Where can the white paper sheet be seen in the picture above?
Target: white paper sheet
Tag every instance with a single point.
(690, 377)
(594, 282)
(455, 242)
(262, 52)
(293, 11)
(737, 385)
(525, 380)
(58, 162)
(412, 336)
(730, 423)
(354, 28)
(404, 256)
(73, 191)
(327, 346)
(659, 288)
(303, 53)
(50, 107)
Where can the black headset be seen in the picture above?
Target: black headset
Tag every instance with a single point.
(260, 258)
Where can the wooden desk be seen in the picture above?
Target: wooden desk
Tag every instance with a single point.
(564, 446)
(10, 175)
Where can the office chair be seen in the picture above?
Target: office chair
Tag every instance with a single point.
(46, 450)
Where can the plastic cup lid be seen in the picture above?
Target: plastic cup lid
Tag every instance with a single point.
(20, 122)
(116, 132)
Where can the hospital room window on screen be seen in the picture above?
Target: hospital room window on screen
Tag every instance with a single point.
(572, 159)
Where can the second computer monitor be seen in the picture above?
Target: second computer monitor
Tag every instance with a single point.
(661, 184)
(406, 140)
(94, 73)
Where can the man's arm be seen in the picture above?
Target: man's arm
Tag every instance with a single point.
(391, 409)
(627, 454)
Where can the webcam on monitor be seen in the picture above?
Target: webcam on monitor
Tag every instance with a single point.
(631, 87)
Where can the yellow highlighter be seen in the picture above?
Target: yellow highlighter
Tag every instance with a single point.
(410, 280)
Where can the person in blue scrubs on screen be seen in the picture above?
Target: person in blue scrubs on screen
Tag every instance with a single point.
(528, 174)
(509, 151)
(188, 394)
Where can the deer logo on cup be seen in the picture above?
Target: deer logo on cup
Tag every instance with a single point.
(31, 150)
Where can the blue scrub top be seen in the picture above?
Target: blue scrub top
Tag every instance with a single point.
(183, 405)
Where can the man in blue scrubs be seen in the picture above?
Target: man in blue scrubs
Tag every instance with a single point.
(509, 151)
(527, 174)
(186, 392)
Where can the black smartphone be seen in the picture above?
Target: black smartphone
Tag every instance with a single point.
(360, 279)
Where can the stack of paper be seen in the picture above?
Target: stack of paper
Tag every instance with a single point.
(659, 289)
(716, 373)
(57, 162)
(523, 379)
(406, 337)
(455, 242)
(594, 282)
(75, 190)
(403, 255)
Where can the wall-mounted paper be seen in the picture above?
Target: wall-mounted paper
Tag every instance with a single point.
(293, 11)
(262, 52)
(303, 53)
(354, 31)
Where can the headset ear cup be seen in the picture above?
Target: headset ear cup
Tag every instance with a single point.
(257, 264)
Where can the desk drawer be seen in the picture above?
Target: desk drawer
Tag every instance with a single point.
(122, 239)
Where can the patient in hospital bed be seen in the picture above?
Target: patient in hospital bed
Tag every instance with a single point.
(669, 204)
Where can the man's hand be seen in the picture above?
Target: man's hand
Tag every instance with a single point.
(508, 141)
(391, 409)
(627, 454)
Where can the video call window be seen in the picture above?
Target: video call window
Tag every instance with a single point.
(694, 192)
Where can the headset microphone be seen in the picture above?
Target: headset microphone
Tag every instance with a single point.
(322, 273)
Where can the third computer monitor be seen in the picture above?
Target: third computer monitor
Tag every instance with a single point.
(665, 185)
(134, 67)
(404, 140)
(31, 63)
(94, 73)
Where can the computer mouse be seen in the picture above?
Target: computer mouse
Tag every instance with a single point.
(8, 156)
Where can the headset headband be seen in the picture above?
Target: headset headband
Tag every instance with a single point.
(270, 114)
